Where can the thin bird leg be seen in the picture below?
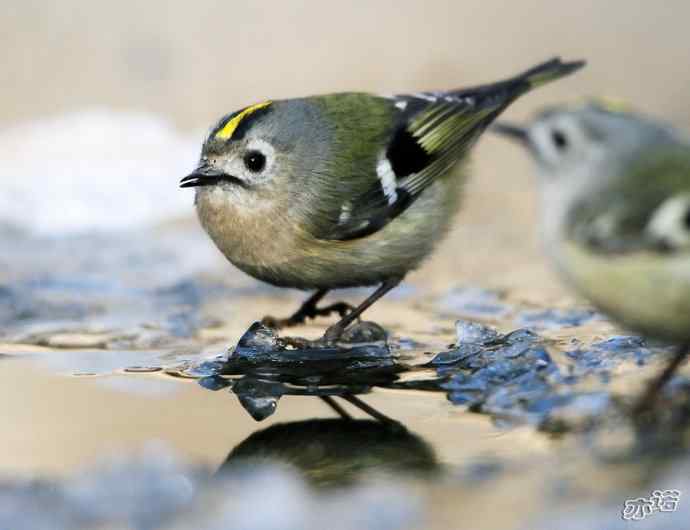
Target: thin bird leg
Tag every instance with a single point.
(368, 409)
(336, 330)
(651, 393)
(340, 411)
(308, 310)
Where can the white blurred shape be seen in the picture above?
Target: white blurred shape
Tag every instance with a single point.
(95, 169)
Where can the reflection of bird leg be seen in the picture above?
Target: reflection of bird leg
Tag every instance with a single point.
(652, 391)
(361, 405)
(340, 411)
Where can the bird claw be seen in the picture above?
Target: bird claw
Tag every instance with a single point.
(278, 323)
(342, 308)
(298, 343)
(301, 316)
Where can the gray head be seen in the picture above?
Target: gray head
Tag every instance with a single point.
(255, 148)
(565, 140)
(581, 151)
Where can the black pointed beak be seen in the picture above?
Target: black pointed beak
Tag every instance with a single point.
(202, 176)
(514, 132)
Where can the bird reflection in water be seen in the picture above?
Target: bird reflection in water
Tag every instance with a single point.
(336, 452)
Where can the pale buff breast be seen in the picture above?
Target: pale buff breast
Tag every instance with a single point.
(264, 238)
(647, 292)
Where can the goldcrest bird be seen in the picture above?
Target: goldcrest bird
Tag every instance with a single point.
(343, 190)
(615, 207)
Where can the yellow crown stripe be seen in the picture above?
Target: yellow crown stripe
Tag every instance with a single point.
(229, 128)
(612, 104)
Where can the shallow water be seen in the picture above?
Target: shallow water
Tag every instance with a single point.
(132, 359)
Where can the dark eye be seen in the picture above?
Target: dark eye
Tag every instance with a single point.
(559, 139)
(254, 161)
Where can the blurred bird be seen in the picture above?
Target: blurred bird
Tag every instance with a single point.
(615, 206)
(343, 190)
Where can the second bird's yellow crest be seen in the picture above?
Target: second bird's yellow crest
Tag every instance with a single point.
(229, 128)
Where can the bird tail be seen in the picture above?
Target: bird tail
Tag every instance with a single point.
(510, 89)
(549, 71)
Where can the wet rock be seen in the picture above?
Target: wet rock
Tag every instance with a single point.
(556, 318)
(516, 349)
(257, 340)
(260, 343)
(514, 379)
(262, 365)
(214, 382)
(205, 368)
(363, 332)
(259, 407)
(465, 390)
(259, 398)
(520, 399)
(456, 355)
(602, 356)
(521, 335)
(475, 333)
(508, 359)
(509, 376)
(571, 412)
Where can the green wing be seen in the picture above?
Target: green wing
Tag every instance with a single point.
(428, 134)
(647, 208)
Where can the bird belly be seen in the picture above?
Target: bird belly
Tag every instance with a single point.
(275, 249)
(646, 292)
(392, 252)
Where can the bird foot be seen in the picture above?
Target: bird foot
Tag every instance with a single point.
(301, 316)
(297, 343)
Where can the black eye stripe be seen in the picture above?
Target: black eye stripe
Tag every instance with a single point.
(254, 161)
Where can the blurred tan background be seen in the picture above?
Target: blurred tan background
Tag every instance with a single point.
(190, 62)
(194, 60)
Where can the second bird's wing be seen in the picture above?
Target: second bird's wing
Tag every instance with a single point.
(646, 208)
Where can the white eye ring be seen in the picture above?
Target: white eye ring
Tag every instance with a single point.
(266, 149)
(669, 223)
(556, 138)
(269, 153)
